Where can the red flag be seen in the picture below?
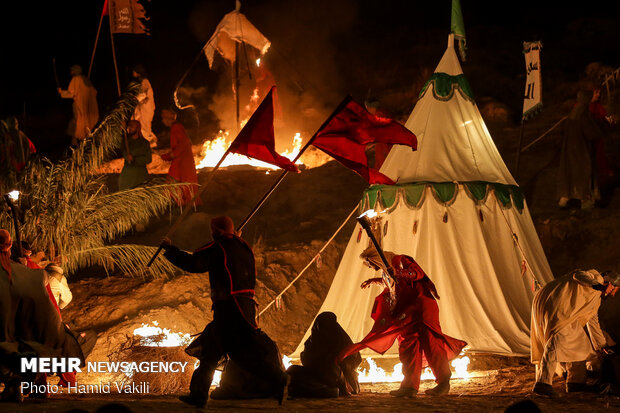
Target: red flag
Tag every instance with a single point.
(350, 129)
(105, 10)
(257, 140)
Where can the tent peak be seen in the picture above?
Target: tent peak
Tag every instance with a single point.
(451, 40)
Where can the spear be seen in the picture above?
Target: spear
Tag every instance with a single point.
(175, 226)
(285, 172)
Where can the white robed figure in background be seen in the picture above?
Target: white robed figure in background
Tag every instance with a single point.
(561, 312)
(85, 108)
(145, 110)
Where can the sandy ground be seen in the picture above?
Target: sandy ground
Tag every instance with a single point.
(492, 390)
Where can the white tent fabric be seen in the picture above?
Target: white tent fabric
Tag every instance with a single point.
(475, 263)
(454, 144)
(234, 28)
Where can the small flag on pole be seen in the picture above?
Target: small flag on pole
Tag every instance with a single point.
(458, 27)
(257, 139)
(351, 129)
(532, 100)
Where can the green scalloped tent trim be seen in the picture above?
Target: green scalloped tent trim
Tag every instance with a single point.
(444, 86)
(445, 193)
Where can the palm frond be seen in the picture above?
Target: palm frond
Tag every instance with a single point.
(129, 258)
(109, 216)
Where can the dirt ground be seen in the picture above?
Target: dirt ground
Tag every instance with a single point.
(489, 391)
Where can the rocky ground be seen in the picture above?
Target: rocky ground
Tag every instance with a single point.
(287, 233)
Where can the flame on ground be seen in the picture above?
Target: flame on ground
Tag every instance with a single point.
(213, 150)
(155, 336)
(375, 374)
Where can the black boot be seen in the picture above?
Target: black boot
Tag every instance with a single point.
(440, 389)
(194, 401)
(544, 389)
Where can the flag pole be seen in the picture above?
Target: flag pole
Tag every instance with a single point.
(519, 149)
(92, 57)
(285, 172)
(237, 82)
(118, 82)
(176, 224)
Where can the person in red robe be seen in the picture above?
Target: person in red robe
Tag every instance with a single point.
(604, 171)
(183, 168)
(411, 315)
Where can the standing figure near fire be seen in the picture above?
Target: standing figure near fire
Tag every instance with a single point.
(411, 314)
(183, 168)
(137, 154)
(145, 110)
(234, 330)
(561, 311)
(576, 175)
(85, 109)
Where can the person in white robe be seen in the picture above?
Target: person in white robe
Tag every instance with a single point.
(145, 110)
(85, 108)
(59, 286)
(562, 311)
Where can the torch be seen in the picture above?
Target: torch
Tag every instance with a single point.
(10, 199)
(364, 221)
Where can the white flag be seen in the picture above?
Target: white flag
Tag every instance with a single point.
(532, 101)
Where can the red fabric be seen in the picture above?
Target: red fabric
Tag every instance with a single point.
(182, 168)
(414, 321)
(53, 300)
(257, 139)
(67, 378)
(603, 170)
(351, 129)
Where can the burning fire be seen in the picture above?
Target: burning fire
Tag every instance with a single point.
(212, 151)
(155, 336)
(376, 374)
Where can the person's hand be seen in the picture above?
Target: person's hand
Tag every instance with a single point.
(368, 282)
(22, 260)
(129, 158)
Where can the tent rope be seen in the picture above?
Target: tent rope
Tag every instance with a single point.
(516, 241)
(279, 296)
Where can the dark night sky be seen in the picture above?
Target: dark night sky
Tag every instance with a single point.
(321, 49)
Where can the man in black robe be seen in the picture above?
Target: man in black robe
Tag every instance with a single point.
(233, 331)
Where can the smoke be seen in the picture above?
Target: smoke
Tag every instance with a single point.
(304, 62)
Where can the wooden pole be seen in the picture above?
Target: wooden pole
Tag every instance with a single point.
(92, 56)
(519, 150)
(18, 236)
(285, 172)
(176, 224)
(237, 82)
(118, 82)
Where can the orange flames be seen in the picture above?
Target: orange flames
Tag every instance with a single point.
(213, 150)
(375, 374)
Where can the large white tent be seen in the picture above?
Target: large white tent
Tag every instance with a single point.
(458, 211)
